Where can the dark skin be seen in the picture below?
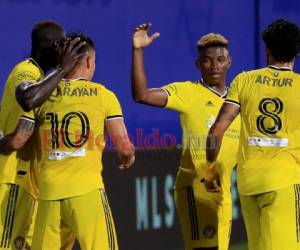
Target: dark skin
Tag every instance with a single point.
(213, 62)
(30, 96)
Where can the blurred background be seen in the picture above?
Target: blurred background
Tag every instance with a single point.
(141, 199)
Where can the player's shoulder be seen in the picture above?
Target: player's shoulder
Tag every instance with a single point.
(26, 69)
(182, 85)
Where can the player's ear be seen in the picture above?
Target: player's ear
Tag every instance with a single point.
(197, 63)
(88, 61)
(229, 61)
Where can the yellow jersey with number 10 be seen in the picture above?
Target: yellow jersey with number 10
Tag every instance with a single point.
(71, 127)
(269, 153)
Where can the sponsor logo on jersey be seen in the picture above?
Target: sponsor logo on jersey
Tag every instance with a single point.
(209, 104)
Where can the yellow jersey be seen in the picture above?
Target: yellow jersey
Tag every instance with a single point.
(269, 100)
(198, 106)
(14, 168)
(71, 126)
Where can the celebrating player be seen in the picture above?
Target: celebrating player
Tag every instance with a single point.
(17, 191)
(205, 218)
(268, 100)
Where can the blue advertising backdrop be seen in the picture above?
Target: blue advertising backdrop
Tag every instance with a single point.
(171, 58)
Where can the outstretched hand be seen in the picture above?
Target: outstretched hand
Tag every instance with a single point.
(140, 38)
(68, 55)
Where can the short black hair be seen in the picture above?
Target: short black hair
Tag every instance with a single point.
(282, 38)
(44, 34)
(89, 44)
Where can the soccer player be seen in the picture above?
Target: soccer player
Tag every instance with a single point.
(268, 100)
(17, 194)
(71, 127)
(205, 218)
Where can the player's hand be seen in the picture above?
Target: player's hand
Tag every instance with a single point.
(212, 180)
(67, 54)
(128, 164)
(140, 38)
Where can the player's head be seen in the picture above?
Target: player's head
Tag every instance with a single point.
(282, 40)
(87, 64)
(213, 60)
(44, 35)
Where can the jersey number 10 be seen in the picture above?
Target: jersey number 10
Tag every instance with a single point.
(65, 127)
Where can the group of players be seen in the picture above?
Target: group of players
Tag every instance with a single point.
(53, 121)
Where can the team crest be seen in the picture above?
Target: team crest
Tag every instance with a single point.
(19, 243)
(209, 231)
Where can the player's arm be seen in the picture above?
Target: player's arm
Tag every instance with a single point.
(30, 96)
(226, 115)
(118, 134)
(140, 91)
(18, 138)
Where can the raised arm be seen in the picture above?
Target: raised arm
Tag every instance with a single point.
(118, 133)
(30, 96)
(140, 91)
(18, 138)
(226, 115)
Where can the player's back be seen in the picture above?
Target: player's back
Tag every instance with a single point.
(270, 136)
(71, 128)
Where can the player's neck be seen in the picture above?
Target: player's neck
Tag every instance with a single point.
(277, 64)
(219, 86)
(77, 73)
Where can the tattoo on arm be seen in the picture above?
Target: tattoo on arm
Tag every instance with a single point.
(25, 127)
(227, 113)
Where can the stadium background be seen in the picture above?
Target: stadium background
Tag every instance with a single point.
(141, 199)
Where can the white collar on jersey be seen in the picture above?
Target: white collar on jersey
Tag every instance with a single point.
(279, 68)
(214, 90)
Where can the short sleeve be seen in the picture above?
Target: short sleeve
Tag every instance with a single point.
(234, 95)
(113, 108)
(26, 72)
(176, 96)
(29, 73)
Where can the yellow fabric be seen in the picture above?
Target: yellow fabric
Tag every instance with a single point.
(198, 107)
(205, 221)
(269, 101)
(10, 114)
(71, 126)
(17, 209)
(63, 220)
(272, 219)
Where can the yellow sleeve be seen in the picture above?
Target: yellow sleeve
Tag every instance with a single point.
(176, 97)
(26, 72)
(112, 106)
(234, 91)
